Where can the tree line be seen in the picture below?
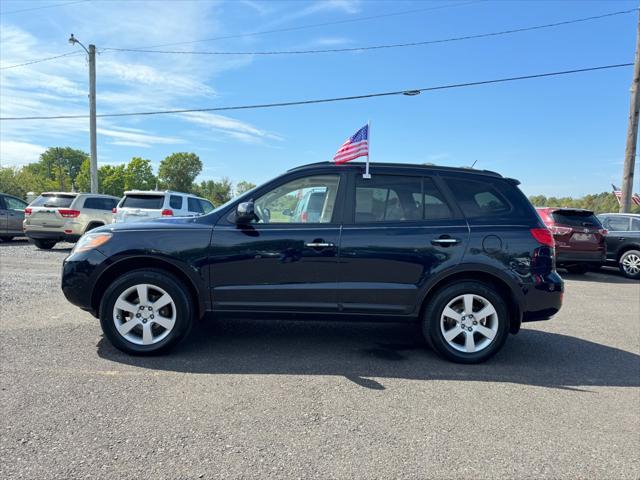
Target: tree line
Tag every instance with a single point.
(67, 169)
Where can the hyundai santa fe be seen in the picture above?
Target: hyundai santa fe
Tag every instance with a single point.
(461, 252)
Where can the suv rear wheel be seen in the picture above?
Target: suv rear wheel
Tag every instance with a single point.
(630, 264)
(44, 244)
(146, 312)
(466, 322)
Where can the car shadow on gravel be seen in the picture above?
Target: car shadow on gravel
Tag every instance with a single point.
(604, 275)
(367, 353)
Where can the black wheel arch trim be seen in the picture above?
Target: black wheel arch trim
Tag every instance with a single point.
(196, 285)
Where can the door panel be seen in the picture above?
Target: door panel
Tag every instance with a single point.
(4, 217)
(257, 267)
(383, 268)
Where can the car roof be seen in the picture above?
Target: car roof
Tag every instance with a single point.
(407, 166)
(158, 192)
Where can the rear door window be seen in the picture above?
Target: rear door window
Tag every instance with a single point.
(635, 224)
(618, 224)
(53, 201)
(576, 218)
(13, 203)
(153, 202)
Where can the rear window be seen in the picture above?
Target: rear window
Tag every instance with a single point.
(97, 203)
(54, 201)
(575, 218)
(143, 201)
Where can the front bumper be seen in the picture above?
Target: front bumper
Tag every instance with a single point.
(543, 298)
(80, 272)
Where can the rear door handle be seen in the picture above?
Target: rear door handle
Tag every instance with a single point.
(445, 241)
(319, 244)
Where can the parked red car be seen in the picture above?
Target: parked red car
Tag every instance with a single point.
(579, 237)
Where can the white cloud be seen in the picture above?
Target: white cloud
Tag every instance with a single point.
(13, 154)
(231, 127)
(128, 137)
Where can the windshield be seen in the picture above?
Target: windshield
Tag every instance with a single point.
(53, 200)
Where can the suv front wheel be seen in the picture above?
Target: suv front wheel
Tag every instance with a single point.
(466, 322)
(146, 312)
(630, 264)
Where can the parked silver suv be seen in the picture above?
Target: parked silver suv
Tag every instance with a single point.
(64, 216)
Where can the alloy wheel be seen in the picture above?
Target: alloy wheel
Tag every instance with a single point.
(144, 314)
(469, 323)
(631, 264)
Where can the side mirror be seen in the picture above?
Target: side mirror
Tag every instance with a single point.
(245, 212)
(287, 213)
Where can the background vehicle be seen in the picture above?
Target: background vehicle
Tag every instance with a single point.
(11, 217)
(461, 252)
(623, 241)
(579, 237)
(140, 206)
(64, 216)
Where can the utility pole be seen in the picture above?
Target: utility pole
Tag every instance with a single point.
(632, 133)
(93, 162)
(92, 119)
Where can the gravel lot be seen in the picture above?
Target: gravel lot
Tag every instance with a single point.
(250, 399)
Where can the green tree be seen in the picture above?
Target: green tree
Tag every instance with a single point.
(112, 179)
(244, 186)
(20, 181)
(139, 175)
(217, 192)
(179, 170)
(61, 164)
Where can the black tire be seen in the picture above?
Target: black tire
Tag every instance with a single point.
(158, 278)
(44, 244)
(577, 269)
(434, 336)
(625, 269)
(6, 239)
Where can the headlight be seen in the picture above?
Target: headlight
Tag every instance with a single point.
(90, 241)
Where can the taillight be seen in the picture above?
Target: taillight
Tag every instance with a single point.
(560, 230)
(304, 217)
(67, 213)
(603, 231)
(167, 212)
(114, 210)
(27, 211)
(543, 236)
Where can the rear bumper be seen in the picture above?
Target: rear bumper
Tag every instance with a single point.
(52, 235)
(544, 297)
(573, 257)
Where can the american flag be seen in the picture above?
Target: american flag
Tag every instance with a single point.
(635, 198)
(354, 147)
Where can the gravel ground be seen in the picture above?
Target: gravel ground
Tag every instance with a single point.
(251, 399)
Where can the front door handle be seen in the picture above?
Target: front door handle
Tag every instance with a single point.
(319, 244)
(445, 241)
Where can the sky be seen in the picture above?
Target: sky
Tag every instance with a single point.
(559, 136)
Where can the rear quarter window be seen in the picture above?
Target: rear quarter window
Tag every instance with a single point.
(478, 198)
(194, 205)
(153, 202)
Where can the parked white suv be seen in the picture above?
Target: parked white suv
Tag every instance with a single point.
(140, 205)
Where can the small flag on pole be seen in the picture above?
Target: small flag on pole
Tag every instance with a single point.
(635, 198)
(355, 146)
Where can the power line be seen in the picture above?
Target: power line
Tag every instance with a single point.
(330, 100)
(41, 60)
(42, 7)
(315, 25)
(379, 47)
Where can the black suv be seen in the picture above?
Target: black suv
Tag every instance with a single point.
(623, 242)
(461, 251)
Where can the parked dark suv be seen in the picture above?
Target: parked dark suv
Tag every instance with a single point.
(461, 251)
(623, 242)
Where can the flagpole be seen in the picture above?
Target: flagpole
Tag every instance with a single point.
(366, 171)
